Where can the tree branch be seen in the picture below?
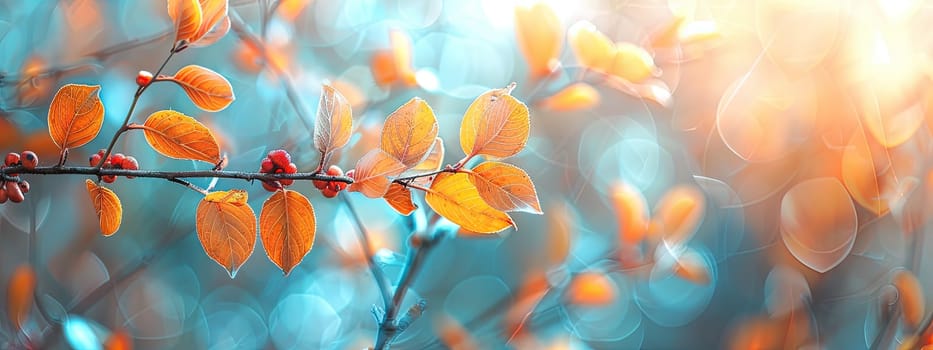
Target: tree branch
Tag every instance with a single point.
(171, 175)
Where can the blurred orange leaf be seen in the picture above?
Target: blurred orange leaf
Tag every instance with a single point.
(213, 12)
(505, 187)
(107, 207)
(910, 295)
(575, 97)
(394, 65)
(399, 198)
(226, 227)
(678, 213)
(592, 48)
(372, 172)
(632, 63)
(286, 226)
(692, 268)
(454, 197)
(868, 174)
(209, 90)
(333, 124)
(495, 125)
(560, 232)
(435, 158)
(119, 340)
(540, 36)
(409, 132)
(590, 289)
(76, 115)
(19, 294)
(179, 136)
(631, 209)
(187, 17)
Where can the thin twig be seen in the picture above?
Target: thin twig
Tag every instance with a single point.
(169, 175)
(378, 275)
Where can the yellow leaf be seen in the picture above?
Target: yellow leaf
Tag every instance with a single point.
(434, 160)
(75, 115)
(409, 132)
(286, 226)
(592, 48)
(632, 63)
(399, 198)
(540, 37)
(208, 90)
(19, 294)
(187, 16)
(179, 136)
(212, 13)
(455, 198)
(576, 97)
(910, 296)
(226, 227)
(107, 207)
(372, 171)
(495, 125)
(505, 187)
(334, 123)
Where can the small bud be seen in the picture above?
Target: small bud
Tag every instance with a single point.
(143, 78)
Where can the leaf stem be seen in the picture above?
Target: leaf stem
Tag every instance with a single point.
(447, 169)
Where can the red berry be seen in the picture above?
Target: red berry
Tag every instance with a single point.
(30, 160)
(116, 160)
(327, 192)
(271, 186)
(11, 159)
(13, 192)
(266, 166)
(287, 182)
(130, 163)
(339, 186)
(291, 168)
(280, 158)
(3, 195)
(24, 186)
(319, 184)
(109, 178)
(94, 159)
(143, 78)
(334, 170)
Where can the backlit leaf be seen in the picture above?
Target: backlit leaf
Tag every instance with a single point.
(592, 48)
(399, 198)
(632, 63)
(678, 213)
(590, 289)
(187, 16)
(575, 97)
(435, 158)
(75, 115)
(226, 227)
(213, 12)
(505, 187)
(371, 177)
(868, 174)
(107, 207)
(495, 125)
(910, 295)
(409, 132)
(214, 35)
(19, 295)
(287, 226)
(631, 209)
(334, 122)
(208, 89)
(818, 223)
(179, 136)
(540, 36)
(454, 197)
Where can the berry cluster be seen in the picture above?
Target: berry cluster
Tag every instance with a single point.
(114, 161)
(330, 188)
(277, 162)
(14, 190)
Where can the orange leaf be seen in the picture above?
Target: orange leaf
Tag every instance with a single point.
(590, 289)
(179, 136)
(496, 125)
(212, 13)
(226, 227)
(286, 226)
(592, 48)
(76, 115)
(399, 198)
(409, 132)
(678, 214)
(576, 97)
(455, 198)
(631, 209)
(208, 90)
(214, 35)
(505, 187)
(187, 16)
(372, 171)
(434, 160)
(910, 295)
(540, 37)
(119, 340)
(334, 122)
(632, 63)
(19, 294)
(107, 207)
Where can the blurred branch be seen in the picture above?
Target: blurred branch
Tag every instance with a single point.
(368, 251)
